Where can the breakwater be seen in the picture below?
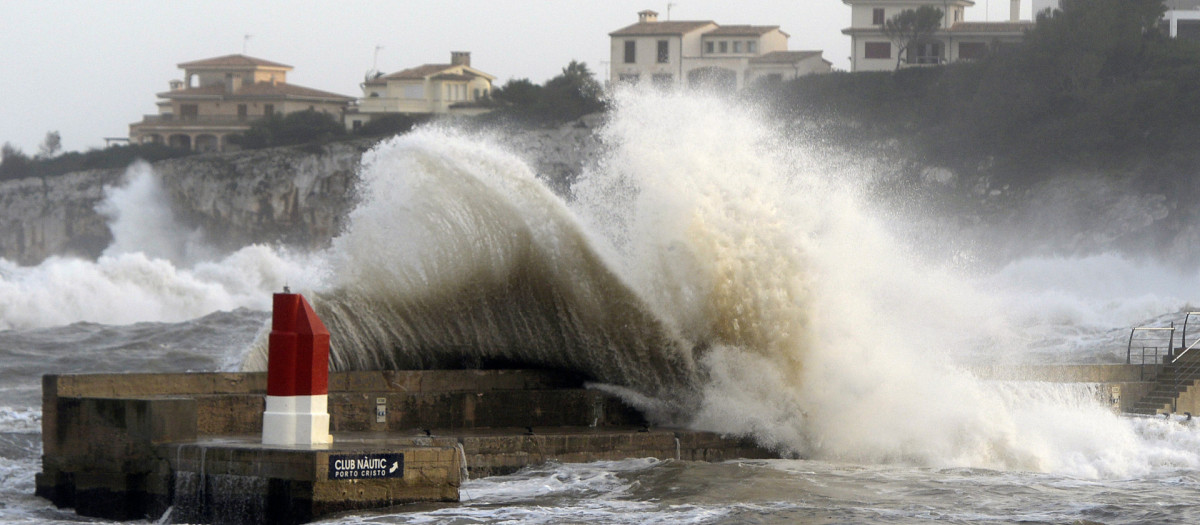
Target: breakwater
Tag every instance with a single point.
(132, 446)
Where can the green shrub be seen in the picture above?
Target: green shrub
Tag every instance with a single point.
(300, 127)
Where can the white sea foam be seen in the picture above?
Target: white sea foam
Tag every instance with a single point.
(715, 272)
(155, 270)
(20, 419)
(825, 335)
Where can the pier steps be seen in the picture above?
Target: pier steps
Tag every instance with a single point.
(1172, 381)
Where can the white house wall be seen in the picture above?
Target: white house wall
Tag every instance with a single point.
(808, 66)
(862, 63)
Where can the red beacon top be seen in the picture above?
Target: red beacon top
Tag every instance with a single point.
(298, 349)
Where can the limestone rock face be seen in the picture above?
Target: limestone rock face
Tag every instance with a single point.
(54, 216)
(290, 196)
(293, 196)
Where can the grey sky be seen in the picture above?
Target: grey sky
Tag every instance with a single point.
(88, 68)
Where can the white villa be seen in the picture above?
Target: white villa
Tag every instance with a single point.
(219, 97)
(454, 88)
(675, 54)
(956, 40)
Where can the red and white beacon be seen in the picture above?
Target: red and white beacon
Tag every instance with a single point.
(297, 410)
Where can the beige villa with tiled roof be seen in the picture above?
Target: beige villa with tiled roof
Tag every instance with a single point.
(454, 88)
(701, 53)
(955, 40)
(221, 96)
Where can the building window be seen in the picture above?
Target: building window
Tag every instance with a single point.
(877, 16)
(628, 78)
(188, 111)
(268, 109)
(664, 52)
(708, 47)
(751, 46)
(723, 46)
(662, 80)
(737, 46)
(357, 125)
(926, 53)
(878, 50)
(242, 112)
(630, 51)
(972, 50)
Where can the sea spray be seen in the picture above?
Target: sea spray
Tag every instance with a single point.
(141, 220)
(457, 256)
(155, 270)
(702, 272)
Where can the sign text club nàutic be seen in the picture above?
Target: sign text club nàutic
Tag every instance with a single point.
(366, 466)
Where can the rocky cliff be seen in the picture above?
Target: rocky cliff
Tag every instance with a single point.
(295, 196)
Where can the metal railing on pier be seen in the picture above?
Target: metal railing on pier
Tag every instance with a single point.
(1153, 351)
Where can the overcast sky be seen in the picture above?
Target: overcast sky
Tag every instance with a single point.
(88, 68)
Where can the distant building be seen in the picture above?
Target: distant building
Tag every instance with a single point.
(956, 40)
(221, 96)
(677, 54)
(454, 88)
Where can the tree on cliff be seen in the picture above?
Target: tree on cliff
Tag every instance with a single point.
(518, 93)
(572, 94)
(911, 27)
(14, 164)
(50, 146)
(567, 96)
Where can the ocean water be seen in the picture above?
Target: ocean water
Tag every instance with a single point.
(710, 269)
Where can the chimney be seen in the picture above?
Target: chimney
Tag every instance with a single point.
(1014, 11)
(176, 85)
(460, 58)
(647, 16)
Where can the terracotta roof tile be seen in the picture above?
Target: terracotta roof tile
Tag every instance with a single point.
(232, 61)
(662, 28)
(283, 89)
(417, 73)
(742, 30)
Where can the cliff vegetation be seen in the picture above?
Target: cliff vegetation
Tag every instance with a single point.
(1097, 87)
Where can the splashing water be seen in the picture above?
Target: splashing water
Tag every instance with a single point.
(710, 273)
(141, 220)
(155, 270)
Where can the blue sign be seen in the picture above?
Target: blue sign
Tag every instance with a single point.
(366, 466)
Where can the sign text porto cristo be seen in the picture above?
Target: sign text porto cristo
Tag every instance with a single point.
(366, 466)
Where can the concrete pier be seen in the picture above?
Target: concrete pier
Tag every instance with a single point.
(135, 446)
(132, 446)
